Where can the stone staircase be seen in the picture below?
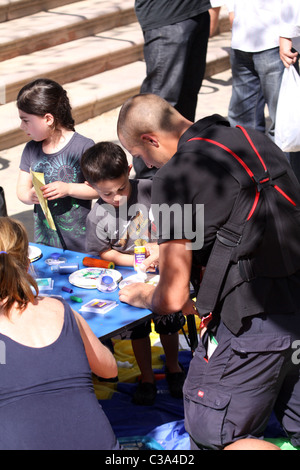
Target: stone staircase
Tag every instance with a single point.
(94, 48)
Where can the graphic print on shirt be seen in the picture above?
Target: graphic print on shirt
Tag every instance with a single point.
(69, 215)
(64, 167)
(136, 228)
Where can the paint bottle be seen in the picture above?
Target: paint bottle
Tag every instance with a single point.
(139, 256)
(65, 268)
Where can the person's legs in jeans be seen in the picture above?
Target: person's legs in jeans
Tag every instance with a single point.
(247, 103)
(197, 30)
(269, 68)
(175, 57)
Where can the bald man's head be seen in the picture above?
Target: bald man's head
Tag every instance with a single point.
(150, 128)
(144, 114)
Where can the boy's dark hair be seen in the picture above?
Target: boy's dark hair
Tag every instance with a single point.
(104, 161)
(43, 96)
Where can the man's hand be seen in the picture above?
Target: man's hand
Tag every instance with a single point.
(286, 55)
(152, 258)
(138, 295)
(172, 291)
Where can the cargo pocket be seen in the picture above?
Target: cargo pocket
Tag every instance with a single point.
(256, 361)
(205, 412)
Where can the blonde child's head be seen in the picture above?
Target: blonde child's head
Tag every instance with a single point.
(15, 281)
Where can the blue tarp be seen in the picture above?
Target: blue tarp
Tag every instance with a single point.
(129, 420)
(164, 421)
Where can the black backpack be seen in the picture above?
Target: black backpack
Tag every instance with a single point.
(260, 239)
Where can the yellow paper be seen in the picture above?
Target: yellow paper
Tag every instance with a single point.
(38, 180)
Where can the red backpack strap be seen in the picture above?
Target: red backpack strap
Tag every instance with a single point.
(267, 176)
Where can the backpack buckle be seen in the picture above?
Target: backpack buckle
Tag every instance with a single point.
(263, 182)
(228, 238)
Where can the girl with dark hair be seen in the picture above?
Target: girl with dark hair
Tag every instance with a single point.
(55, 150)
(47, 400)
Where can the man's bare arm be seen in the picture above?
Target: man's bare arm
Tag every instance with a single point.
(172, 292)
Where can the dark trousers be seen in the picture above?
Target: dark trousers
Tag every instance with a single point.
(232, 395)
(175, 57)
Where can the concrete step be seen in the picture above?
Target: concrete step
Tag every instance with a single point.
(46, 29)
(12, 9)
(92, 55)
(218, 54)
(74, 60)
(89, 98)
(99, 91)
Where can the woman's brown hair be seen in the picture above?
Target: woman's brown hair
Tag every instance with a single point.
(15, 282)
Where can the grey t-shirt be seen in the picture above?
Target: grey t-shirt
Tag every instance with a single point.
(119, 228)
(69, 213)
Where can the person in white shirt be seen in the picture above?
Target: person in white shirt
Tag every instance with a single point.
(256, 65)
(289, 43)
(290, 32)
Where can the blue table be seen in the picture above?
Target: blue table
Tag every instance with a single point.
(111, 324)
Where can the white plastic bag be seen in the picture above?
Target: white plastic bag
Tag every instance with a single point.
(287, 131)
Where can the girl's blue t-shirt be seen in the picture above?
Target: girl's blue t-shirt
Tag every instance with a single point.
(69, 213)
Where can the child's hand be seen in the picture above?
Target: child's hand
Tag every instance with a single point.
(33, 199)
(152, 258)
(190, 308)
(55, 190)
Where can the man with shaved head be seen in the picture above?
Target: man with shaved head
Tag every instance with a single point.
(220, 199)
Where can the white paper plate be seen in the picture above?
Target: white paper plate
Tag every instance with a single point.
(34, 253)
(87, 278)
(152, 279)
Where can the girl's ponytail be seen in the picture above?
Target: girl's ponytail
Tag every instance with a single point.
(64, 112)
(15, 282)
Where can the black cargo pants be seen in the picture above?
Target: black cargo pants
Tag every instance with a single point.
(232, 395)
